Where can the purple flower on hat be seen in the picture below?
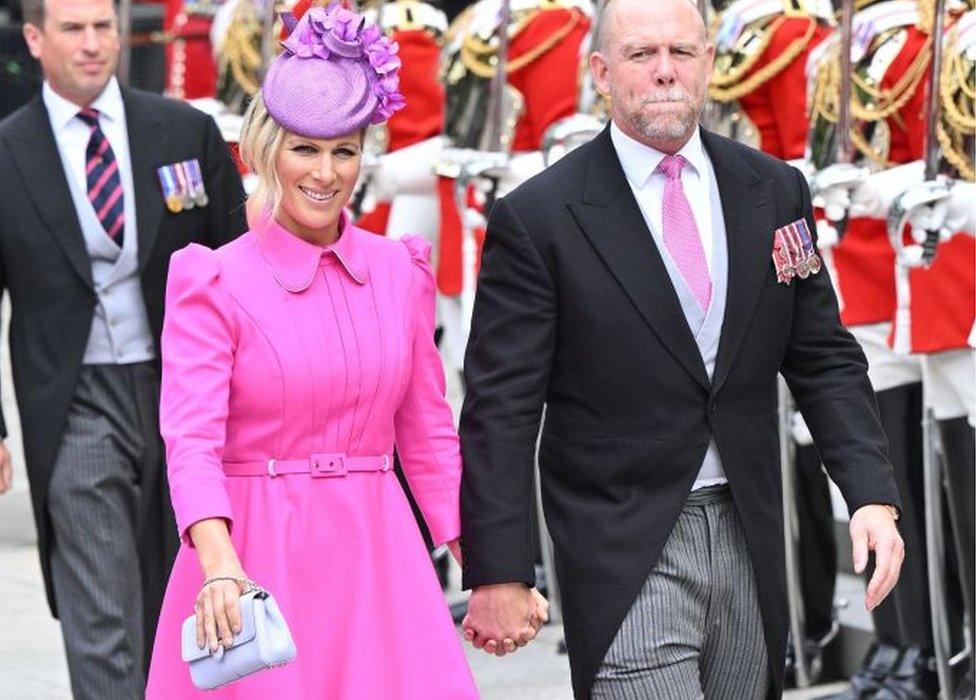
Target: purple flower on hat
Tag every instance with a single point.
(389, 104)
(352, 54)
(383, 56)
(344, 23)
(305, 41)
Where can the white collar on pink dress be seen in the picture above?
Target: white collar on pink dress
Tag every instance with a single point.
(294, 260)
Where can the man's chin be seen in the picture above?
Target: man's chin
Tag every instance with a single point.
(92, 85)
(666, 130)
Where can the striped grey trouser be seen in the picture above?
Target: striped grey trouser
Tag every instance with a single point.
(694, 630)
(113, 536)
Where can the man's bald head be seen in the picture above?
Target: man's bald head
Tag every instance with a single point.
(610, 8)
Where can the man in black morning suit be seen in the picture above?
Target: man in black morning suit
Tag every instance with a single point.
(85, 242)
(631, 289)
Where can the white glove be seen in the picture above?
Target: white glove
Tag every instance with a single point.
(874, 196)
(827, 236)
(409, 170)
(831, 187)
(835, 201)
(801, 433)
(955, 214)
(521, 167)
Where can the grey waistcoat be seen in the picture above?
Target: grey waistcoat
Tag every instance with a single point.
(120, 332)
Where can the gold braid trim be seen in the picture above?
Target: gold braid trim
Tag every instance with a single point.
(239, 51)
(476, 53)
(823, 105)
(771, 69)
(865, 148)
(738, 72)
(893, 99)
(955, 77)
(955, 157)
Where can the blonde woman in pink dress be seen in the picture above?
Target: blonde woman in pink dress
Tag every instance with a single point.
(294, 360)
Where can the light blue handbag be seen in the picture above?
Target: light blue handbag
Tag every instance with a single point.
(263, 642)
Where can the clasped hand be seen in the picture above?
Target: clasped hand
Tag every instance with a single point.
(503, 617)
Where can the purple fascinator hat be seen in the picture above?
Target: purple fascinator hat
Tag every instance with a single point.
(336, 75)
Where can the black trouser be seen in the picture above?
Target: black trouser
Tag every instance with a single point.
(818, 549)
(903, 618)
(959, 451)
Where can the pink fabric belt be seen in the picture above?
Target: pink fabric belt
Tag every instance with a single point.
(322, 464)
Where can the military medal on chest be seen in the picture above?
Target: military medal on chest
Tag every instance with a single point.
(793, 252)
(171, 188)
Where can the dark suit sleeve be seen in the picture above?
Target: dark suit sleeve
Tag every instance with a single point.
(827, 372)
(506, 370)
(224, 188)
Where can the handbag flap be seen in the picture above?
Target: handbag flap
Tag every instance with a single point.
(246, 603)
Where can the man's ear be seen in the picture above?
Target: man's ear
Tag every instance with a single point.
(600, 73)
(32, 35)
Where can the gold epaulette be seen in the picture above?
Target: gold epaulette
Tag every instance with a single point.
(870, 102)
(729, 79)
(239, 59)
(479, 46)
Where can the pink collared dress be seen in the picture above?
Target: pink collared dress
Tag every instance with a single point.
(276, 349)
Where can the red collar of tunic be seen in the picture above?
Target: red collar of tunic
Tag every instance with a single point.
(294, 260)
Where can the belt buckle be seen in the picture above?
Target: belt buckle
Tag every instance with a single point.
(328, 464)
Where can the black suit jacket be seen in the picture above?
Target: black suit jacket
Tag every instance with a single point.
(575, 310)
(46, 268)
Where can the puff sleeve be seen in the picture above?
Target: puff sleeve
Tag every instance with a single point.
(198, 341)
(426, 439)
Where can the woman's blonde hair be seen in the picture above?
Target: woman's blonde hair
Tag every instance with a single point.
(261, 138)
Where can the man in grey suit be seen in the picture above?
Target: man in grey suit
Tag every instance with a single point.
(99, 185)
(647, 289)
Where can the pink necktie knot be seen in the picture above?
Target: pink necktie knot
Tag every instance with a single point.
(672, 166)
(89, 116)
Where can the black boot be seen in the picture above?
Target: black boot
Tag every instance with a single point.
(913, 678)
(867, 680)
(966, 689)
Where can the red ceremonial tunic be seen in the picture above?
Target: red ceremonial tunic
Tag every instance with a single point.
(778, 106)
(864, 259)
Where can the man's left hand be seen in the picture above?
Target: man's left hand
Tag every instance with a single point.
(873, 528)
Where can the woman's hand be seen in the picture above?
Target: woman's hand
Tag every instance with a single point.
(216, 607)
(218, 612)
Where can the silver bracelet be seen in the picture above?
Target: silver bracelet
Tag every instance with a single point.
(246, 584)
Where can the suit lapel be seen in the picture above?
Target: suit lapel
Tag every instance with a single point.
(38, 162)
(747, 204)
(147, 144)
(612, 221)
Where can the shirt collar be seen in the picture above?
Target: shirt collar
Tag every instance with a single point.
(294, 260)
(639, 161)
(61, 110)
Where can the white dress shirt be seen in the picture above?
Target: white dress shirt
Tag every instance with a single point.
(72, 134)
(647, 183)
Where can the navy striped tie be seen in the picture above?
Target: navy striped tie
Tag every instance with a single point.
(104, 183)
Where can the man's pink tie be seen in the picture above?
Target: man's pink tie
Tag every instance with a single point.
(681, 233)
